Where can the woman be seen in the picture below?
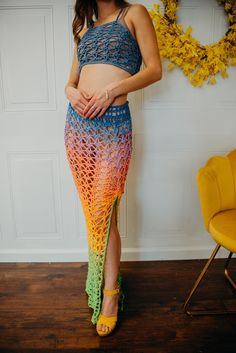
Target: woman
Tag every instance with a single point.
(108, 53)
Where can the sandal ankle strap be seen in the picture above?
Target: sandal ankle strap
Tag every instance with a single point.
(111, 291)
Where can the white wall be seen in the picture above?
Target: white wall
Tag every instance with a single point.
(176, 127)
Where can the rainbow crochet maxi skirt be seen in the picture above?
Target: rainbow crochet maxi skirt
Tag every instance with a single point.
(99, 152)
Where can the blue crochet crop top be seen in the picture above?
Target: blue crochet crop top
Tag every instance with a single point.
(110, 43)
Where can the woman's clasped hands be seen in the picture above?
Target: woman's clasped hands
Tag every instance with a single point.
(91, 105)
(98, 103)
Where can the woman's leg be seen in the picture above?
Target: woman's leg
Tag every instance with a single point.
(112, 260)
(111, 269)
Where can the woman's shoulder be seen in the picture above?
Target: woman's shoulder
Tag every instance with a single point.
(137, 12)
(137, 7)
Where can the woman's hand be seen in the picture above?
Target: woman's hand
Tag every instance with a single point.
(78, 99)
(98, 103)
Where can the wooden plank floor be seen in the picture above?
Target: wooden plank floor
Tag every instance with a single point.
(43, 308)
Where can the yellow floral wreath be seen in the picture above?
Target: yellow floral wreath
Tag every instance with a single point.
(198, 62)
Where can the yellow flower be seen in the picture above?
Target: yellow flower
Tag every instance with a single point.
(233, 61)
(228, 6)
(224, 74)
(188, 30)
(198, 62)
(171, 66)
(212, 81)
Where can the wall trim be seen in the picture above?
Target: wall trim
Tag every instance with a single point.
(128, 254)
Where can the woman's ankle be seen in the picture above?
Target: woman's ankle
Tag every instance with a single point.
(111, 285)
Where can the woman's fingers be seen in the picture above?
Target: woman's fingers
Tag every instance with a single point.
(78, 111)
(92, 110)
(80, 104)
(85, 95)
(89, 107)
(102, 112)
(78, 108)
(92, 105)
(96, 111)
(83, 99)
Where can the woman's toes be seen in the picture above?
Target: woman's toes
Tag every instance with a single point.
(105, 328)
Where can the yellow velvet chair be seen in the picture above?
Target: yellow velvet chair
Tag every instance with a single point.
(216, 183)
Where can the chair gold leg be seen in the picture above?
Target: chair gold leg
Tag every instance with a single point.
(197, 283)
(226, 272)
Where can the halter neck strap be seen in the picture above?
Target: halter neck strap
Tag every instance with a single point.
(119, 13)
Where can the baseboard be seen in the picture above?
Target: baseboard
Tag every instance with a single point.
(128, 254)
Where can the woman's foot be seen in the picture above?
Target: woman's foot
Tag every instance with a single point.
(109, 308)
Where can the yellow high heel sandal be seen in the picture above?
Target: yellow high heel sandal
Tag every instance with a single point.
(109, 321)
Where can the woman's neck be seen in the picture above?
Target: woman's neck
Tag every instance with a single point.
(105, 10)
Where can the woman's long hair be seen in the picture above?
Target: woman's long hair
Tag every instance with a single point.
(84, 11)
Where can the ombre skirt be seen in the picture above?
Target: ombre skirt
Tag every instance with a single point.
(99, 152)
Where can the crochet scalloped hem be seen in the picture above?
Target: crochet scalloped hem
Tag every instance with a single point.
(99, 152)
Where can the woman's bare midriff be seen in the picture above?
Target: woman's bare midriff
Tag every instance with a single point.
(96, 76)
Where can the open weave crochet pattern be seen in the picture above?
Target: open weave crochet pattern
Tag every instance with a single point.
(99, 152)
(110, 43)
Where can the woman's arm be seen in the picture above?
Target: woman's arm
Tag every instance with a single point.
(147, 40)
(77, 97)
(74, 73)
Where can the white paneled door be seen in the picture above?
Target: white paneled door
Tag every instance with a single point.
(176, 127)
